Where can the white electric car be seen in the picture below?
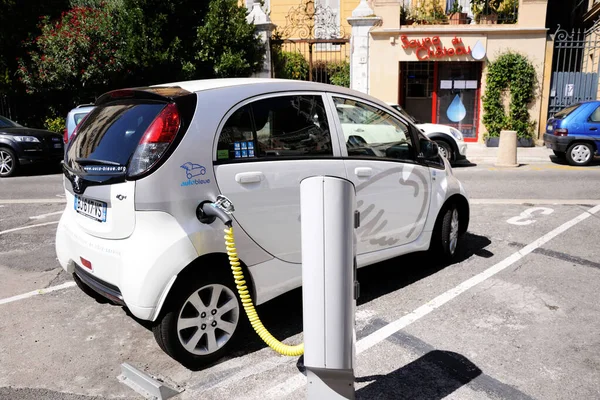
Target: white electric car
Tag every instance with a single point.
(145, 158)
(449, 140)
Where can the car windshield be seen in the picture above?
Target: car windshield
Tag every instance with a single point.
(7, 123)
(566, 111)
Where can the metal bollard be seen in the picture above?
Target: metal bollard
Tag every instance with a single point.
(329, 289)
(507, 149)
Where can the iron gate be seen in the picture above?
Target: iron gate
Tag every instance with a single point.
(576, 64)
(312, 44)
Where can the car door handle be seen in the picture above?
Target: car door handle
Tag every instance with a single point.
(249, 177)
(593, 129)
(363, 172)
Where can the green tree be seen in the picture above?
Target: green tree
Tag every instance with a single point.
(79, 52)
(227, 45)
(18, 19)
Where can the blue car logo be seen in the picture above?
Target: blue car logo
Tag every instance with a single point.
(192, 169)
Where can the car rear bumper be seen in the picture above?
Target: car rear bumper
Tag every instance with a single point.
(29, 158)
(557, 143)
(137, 271)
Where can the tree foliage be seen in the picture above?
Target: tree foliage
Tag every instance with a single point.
(226, 44)
(81, 49)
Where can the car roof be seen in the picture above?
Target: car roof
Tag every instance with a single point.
(275, 84)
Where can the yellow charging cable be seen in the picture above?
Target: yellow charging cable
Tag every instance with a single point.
(240, 282)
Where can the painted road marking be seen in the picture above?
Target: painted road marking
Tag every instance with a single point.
(28, 226)
(297, 381)
(46, 215)
(559, 202)
(526, 217)
(23, 296)
(31, 201)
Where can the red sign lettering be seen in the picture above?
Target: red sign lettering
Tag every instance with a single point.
(431, 47)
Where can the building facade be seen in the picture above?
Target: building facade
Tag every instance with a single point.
(435, 65)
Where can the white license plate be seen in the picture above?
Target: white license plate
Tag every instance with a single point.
(91, 208)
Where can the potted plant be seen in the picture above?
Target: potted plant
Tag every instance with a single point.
(456, 14)
(406, 16)
(485, 11)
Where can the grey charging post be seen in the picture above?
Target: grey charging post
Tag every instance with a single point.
(329, 287)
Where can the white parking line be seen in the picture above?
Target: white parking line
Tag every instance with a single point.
(27, 227)
(65, 285)
(536, 201)
(31, 201)
(297, 381)
(46, 215)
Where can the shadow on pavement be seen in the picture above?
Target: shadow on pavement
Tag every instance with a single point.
(283, 315)
(39, 169)
(433, 376)
(563, 161)
(463, 164)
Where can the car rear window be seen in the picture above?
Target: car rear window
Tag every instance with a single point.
(566, 111)
(78, 117)
(112, 132)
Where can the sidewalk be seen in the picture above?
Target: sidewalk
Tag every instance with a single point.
(478, 153)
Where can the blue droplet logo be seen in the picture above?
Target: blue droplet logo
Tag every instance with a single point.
(478, 51)
(457, 111)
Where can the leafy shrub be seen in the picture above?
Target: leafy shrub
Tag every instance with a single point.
(55, 124)
(339, 73)
(514, 72)
(290, 65)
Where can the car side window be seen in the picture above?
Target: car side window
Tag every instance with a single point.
(595, 117)
(371, 132)
(283, 126)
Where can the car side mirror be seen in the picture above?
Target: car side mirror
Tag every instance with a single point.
(429, 150)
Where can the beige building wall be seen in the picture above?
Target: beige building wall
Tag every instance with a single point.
(528, 37)
(281, 12)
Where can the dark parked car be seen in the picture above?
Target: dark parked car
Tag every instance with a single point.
(574, 133)
(20, 145)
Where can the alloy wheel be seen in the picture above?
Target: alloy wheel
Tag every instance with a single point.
(7, 162)
(443, 152)
(208, 319)
(454, 223)
(580, 154)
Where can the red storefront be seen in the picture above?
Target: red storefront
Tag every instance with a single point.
(443, 83)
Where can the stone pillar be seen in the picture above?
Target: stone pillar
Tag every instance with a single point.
(264, 28)
(362, 21)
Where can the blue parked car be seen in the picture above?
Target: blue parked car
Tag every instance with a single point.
(574, 133)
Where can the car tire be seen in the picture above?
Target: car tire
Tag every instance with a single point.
(9, 163)
(446, 235)
(560, 154)
(580, 154)
(202, 322)
(445, 150)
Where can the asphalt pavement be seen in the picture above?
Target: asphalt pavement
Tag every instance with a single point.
(515, 318)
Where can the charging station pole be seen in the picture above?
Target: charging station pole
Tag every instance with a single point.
(329, 287)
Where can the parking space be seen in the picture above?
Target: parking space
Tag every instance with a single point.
(501, 323)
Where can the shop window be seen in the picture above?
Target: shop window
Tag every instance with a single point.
(282, 126)
(418, 83)
(371, 132)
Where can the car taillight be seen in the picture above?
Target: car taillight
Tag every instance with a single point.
(65, 136)
(561, 132)
(155, 141)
